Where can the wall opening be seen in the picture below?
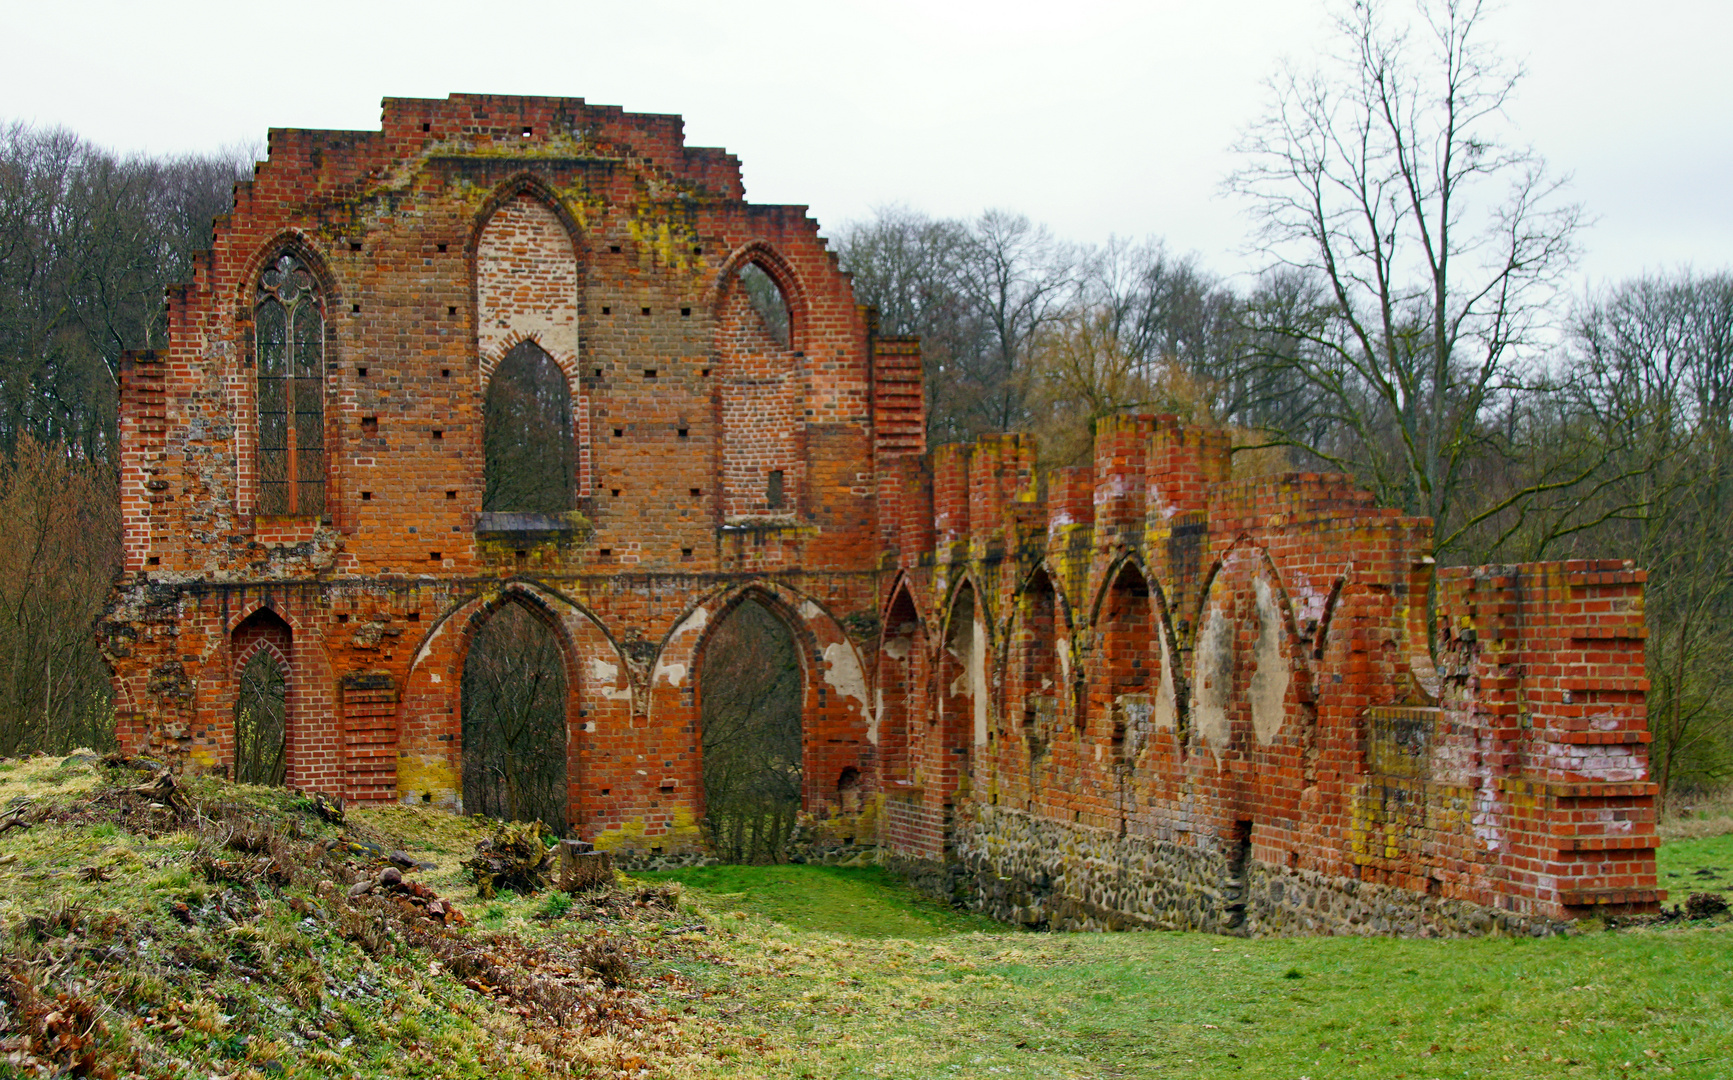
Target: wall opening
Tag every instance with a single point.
(766, 298)
(1036, 678)
(902, 678)
(1237, 883)
(529, 456)
(261, 722)
(262, 688)
(1128, 677)
(749, 709)
(514, 719)
(961, 673)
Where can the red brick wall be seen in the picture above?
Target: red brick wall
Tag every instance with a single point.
(1254, 655)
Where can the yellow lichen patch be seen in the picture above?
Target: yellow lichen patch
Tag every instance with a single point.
(427, 778)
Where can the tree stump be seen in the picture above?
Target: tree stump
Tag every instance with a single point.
(583, 868)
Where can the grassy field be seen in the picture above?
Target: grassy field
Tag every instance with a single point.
(811, 971)
(217, 940)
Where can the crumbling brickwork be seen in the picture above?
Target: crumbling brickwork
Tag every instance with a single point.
(1132, 693)
(1212, 703)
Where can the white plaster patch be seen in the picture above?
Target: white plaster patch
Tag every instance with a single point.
(675, 673)
(433, 676)
(897, 648)
(810, 610)
(606, 676)
(842, 670)
(1271, 674)
(1166, 711)
(1213, 676)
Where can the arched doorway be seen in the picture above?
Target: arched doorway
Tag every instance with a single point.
(261, 714)
(749, 685)
(262, 647)
(514, 719)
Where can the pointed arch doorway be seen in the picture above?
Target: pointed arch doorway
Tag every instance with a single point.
(514, 702)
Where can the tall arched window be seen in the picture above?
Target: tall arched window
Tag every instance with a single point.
(529, 460)
(289, 343)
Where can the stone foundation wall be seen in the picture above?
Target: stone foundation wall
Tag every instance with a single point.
(1054, 875)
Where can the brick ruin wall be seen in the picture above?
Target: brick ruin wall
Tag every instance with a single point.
(1137, 693)
(1141, 693)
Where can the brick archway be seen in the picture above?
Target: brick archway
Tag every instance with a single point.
(430, 739)
(836, 715)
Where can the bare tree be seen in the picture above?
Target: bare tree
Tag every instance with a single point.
(514, 720)
(750, 690)
(976, 292)
(1653, 386)
(1436, 246)
(59, 552)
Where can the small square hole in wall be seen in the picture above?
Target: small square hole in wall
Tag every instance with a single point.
(361, 371)
(415, 616)
(619, 433)
(704, 374)
(686, 554)
(697, 251)
(438, 434)
(342, 616)
(369, 425)
(696, 492)
(445, 373)
(442, 248)
(427, 127)
(615, 492)
(649, 373)
(685, 313)
(643, 311)
(355, 309)
(366, 496)
(598, 373)
(615, 248)
(354, 245)
(607, 791)
(154, 560)
(528, 132)
(451, 494)
(604, 553)
(451, 309)
(684, 433)
(607, 310)
(434, 556)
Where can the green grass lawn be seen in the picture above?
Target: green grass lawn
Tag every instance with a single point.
(1691, 866)
(844, 975)
(868, 902)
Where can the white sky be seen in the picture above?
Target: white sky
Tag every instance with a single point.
(1095, 118)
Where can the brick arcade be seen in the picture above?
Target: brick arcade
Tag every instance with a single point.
(1136, 693)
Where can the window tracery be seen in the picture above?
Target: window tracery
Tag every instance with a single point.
(289, 345)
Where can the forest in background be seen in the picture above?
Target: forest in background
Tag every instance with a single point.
(1415, 326)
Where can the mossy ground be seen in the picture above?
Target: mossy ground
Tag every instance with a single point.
(158, 952)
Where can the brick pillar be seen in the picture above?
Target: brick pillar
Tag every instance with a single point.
(951, 498)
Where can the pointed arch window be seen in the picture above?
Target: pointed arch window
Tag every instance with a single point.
(289, 344)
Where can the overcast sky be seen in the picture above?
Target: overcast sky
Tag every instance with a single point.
(1095, 118)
